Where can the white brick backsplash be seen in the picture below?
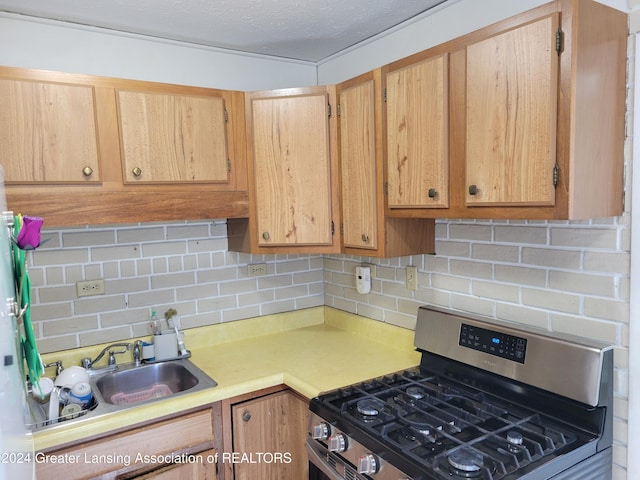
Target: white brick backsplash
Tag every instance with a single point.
(549, 257)
(495, 291)
(88, 238)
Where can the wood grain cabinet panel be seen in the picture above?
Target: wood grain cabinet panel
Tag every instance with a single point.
(275, 426)
(293, 173)
(365, 229)
(48, 133)
(418, 134)
(358, 165)
(511, 116)
(173, 138)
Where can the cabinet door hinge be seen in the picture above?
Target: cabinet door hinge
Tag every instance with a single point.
(333, 228)
(328, 109)
(226, 116)
(384, 95)
(559, 41)
(556, 175)
(229, 165)
(386, 188)
(339, 111)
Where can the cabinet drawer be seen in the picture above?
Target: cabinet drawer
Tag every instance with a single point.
(127, 450)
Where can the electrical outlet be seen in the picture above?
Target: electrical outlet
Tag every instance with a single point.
(90, 287)
(257, 269)
(412, 277)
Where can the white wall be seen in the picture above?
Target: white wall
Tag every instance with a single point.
(48, 45)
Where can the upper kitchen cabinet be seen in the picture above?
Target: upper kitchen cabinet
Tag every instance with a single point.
(536, 119)
(48, 131)
(417, 131)
(170, 137)
(511, 92)
(292, 164)
(81, 149)
(365, 230)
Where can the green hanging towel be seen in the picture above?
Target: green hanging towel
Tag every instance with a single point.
(23, 288)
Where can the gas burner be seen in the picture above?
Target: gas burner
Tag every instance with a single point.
(465, 462)
(416, 393)
(369, 407)
(515, 440)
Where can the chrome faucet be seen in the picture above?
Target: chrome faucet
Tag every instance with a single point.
(137, 353)
(57, 364)
(88, 363)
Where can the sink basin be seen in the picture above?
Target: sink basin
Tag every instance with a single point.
(128, 387)
(145, 383)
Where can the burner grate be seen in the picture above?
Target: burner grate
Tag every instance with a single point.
(431, 420)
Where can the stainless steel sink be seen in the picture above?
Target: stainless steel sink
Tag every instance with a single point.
(130, 386)
(145, 383)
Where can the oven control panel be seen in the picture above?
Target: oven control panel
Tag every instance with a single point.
(492, 342)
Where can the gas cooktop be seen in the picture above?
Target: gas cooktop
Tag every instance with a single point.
(430, 423)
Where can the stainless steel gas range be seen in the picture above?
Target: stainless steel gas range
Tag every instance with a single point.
(489, 401)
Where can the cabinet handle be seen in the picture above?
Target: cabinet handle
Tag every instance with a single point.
(473, 189)
(433, 193)
(87, 171)
(365, 238)
(246, 416)
(266, 235)
(136, 172)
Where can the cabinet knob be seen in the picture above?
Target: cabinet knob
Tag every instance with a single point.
(473, 189)
(87, 171)
(266, 235)
(246, 416)
(433, 193)
(365, 238)
(136, 171)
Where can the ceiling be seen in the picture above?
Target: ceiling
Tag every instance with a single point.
(308, 30)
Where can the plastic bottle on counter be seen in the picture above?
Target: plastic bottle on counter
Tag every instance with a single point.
(155, 328)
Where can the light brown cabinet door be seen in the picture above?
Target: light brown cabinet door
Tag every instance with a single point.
(172, 138)
(511, 98)
(276, 426)
(358, 165)
(48, 133)
(418, 134)
(292, 169)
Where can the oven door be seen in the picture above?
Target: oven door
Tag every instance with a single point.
(324, 465)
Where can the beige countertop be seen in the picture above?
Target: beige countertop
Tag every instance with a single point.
(310, 351)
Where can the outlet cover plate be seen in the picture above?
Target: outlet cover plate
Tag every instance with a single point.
(257, 269)
(89, 288)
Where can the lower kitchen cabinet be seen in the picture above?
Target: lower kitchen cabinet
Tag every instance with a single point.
(179, 447)
(266, 433)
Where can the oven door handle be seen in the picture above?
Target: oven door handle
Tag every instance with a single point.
(315, 457)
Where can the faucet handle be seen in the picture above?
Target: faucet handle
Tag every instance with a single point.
(113, 353)
(57, 364)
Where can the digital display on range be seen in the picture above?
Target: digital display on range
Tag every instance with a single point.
(492, 342)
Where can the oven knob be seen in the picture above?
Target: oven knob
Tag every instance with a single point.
(320, 431)
(368, 464)
(337, 443)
